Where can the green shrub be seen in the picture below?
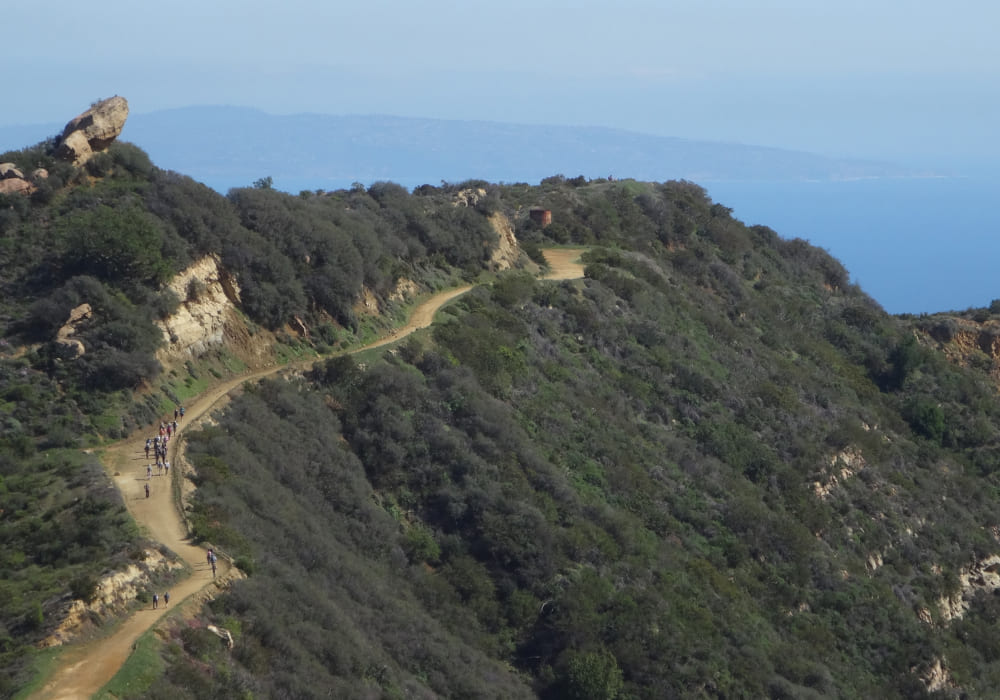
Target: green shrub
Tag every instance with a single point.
(592, 675)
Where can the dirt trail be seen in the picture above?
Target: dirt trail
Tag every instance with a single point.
(84, 669)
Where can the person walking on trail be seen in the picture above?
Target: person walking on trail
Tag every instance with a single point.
(147, 448)
(147, 490)
(166, 599)
(149, 472)
(166, 468)
(156, 601)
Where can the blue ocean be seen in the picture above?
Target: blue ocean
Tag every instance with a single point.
(916, 245)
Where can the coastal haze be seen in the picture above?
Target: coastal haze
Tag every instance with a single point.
(320, 96)
(846, 80)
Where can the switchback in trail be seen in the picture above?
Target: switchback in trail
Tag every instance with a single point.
(84, 669)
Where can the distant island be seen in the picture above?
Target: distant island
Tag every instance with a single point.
(228, 147)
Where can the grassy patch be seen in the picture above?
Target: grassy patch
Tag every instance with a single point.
(44, 664)
(138, 673)
(108, 423)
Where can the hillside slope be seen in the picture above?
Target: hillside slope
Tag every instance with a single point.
(712, 467)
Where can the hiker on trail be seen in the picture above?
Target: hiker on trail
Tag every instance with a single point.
(177, 412)
(182, 411)
(156, 600)
(147, 490)
(147, 448)
(166, 468)
(175, 427)
(149, 472)
(166, 599)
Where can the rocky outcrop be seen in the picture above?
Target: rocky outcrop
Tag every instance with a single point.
(12, 180)
(966, 342)
(404, 289)
(9, 170)
(469, 197)
(367, 303)
(507, 252)
(983, 576)
(843, 466)
(93, 131)
(112, 595)
(936, 678)
(16, 186)
(208, 296)
(65, 334)
(223, 634)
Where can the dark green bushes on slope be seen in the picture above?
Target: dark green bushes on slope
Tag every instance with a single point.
(108, 235)
(711, 468)
(615, 486)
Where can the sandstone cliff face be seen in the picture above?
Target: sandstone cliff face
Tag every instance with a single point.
(967, 342)
(113, 594)
(507, 251)
(93, 131)
(208, 296)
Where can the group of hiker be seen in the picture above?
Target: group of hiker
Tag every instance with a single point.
(158, 444)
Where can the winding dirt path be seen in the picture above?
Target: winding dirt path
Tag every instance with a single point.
(85, 669)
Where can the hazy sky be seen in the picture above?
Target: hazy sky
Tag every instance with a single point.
(899, 79)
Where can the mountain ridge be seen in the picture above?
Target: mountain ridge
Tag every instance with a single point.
(227, 146)
(712, 466)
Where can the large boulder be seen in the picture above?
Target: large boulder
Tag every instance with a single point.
(9, 170)
(94, 130)
(12, 180)
(75, 148)
(15, 185)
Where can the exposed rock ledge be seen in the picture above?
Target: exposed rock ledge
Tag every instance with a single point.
(843, 466)
(507, 251)
(208, 297)
(982, 576)
(113, 594)
(65, 335)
